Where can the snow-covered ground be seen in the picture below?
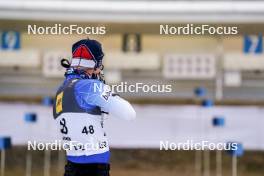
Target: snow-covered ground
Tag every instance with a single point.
(154, 123)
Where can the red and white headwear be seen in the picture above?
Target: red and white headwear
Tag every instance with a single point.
(83, 57)
(87, 53)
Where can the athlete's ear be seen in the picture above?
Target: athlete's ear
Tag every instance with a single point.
(97, 71)
(89, 71)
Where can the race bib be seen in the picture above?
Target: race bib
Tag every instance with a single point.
(82, 134)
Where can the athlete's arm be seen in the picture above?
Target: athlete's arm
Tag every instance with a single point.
(98, 94)
(120, 108)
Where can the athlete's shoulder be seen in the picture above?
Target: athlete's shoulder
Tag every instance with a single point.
(90, 85)
(92, 92)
